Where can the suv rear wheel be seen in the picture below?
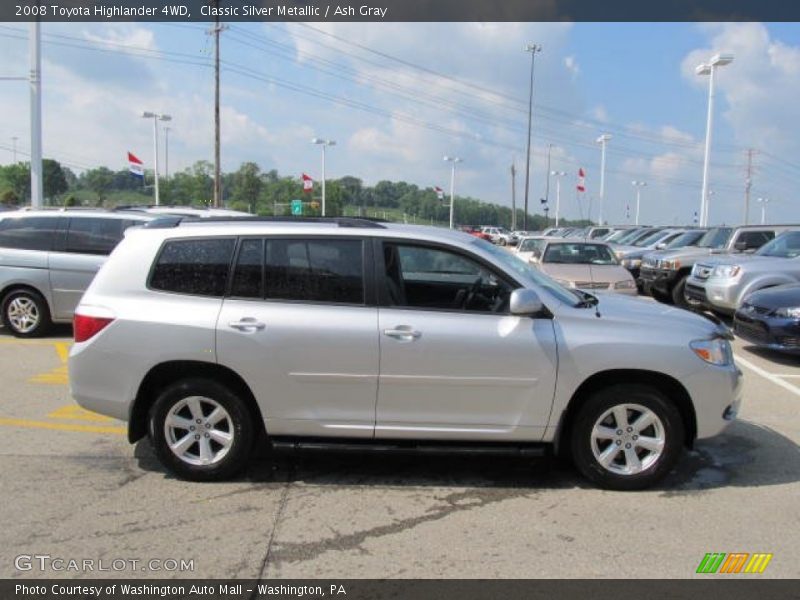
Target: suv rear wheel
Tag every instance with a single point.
(25, 313)
(200, 430)
(627, 437)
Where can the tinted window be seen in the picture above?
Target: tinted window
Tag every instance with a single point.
(315, 270)
(28, 233)
(247, 275)
(755, 239)
(93, 235)
(197, 267)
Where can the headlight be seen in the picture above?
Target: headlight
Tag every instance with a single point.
(566, 283)
(725, 271)
(627, 284)
(789, 312)
(716, 351)
(631, 263)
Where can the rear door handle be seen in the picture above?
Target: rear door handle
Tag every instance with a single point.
(247, 324)
(403, 333)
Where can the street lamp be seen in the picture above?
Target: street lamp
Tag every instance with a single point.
(709, 68)
(558, 175)
(166, 152)
(324, 144)
(763, 202)
(156, 118)
(638, 185)
(454, 160)
(602, 140)
(533, 49)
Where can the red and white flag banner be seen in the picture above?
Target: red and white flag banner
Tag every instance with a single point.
(308, 183)
(439, 192)
(581, 187)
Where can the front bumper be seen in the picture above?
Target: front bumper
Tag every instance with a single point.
(695, 293)
(775, 333)
(722, 295)
(716, 393)
(660, 280)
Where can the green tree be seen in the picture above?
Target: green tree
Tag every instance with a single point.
(247, 185)
(100, 181)
(54, 182)
(17, 178)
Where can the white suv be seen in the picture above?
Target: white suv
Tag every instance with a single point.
(318, 334)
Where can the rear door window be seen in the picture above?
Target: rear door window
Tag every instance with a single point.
(28, 233)
(196, 267)
(87, 235)
(322, 270)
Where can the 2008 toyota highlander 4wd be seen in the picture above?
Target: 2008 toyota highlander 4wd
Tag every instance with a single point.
(318, 333)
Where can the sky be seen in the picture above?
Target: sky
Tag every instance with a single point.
(397, 97)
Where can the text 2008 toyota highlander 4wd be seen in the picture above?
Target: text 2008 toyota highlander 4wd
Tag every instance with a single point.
(317, 334)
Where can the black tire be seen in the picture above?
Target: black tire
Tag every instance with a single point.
(39, 307)
(240, 424)
(601, 402)
(660, 296)
(678, 299)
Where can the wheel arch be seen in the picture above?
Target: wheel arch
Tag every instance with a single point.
(168, 372)
(667, 384)
(26, 286)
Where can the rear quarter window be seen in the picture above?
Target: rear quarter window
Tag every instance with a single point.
(196, 267)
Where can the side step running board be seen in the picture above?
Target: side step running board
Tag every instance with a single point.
(405, 447)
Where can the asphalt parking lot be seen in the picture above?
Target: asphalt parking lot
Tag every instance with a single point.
(73, 488)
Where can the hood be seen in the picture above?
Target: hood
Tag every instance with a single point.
(599, 273)
(782, 296)
(641, 313)
(738, 259)
(687, 252)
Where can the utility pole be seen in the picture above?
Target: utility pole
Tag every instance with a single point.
(37, 185)
(166, 152)
(602, 140)
(547, 185)
(748, 184)
(217, 170)
(533, 49)
(513, 197)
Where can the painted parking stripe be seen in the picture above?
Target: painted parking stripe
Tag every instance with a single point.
(61, 426)
(767, 375)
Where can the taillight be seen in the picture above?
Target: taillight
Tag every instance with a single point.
(85, 327)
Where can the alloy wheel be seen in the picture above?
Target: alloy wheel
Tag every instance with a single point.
(23, 314)
(628, 439)
(199, 431)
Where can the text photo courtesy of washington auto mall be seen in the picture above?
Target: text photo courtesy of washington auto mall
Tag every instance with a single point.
(420, 299)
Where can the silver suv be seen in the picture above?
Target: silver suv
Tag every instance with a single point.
(47, 260)
(319, 334)
(722, 283)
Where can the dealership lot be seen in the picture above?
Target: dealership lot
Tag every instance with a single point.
(75, 490)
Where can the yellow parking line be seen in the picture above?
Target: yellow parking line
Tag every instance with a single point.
(77, 413)
(63, 350)
(61, 426)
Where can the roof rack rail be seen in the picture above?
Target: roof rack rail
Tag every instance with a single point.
(355, 222)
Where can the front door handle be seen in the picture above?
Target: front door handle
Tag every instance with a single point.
(247, 324)
(404, 333)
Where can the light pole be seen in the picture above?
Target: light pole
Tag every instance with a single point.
(156, 118)
(324, 144)
(166, 152)
(558, 175)
(709, 68)
(533, 49)
(602, 140)
(37, 184)
(454, 160)
(638, 185)
(763, 202)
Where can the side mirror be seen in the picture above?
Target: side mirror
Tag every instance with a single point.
(740, 246)
(661, 246)
(525, 302)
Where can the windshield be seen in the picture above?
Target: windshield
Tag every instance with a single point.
(651, 238)
(716, 238)
(529, 245)
(690, 238)
(631, 234)
(514, 265)
(615, 235)
(579, 254)
(783, 246)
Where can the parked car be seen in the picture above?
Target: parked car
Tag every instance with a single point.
(627, 238)
(721, 283)
(357, 334)
(47, 260)
(500, 236)
(770, 318)
(667, 278)
(631, 256)
(583, 265)
(478, 233)
(527, 247)
(649, 260)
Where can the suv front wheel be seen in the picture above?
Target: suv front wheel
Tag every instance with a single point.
(627, 437)
(200, 430)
